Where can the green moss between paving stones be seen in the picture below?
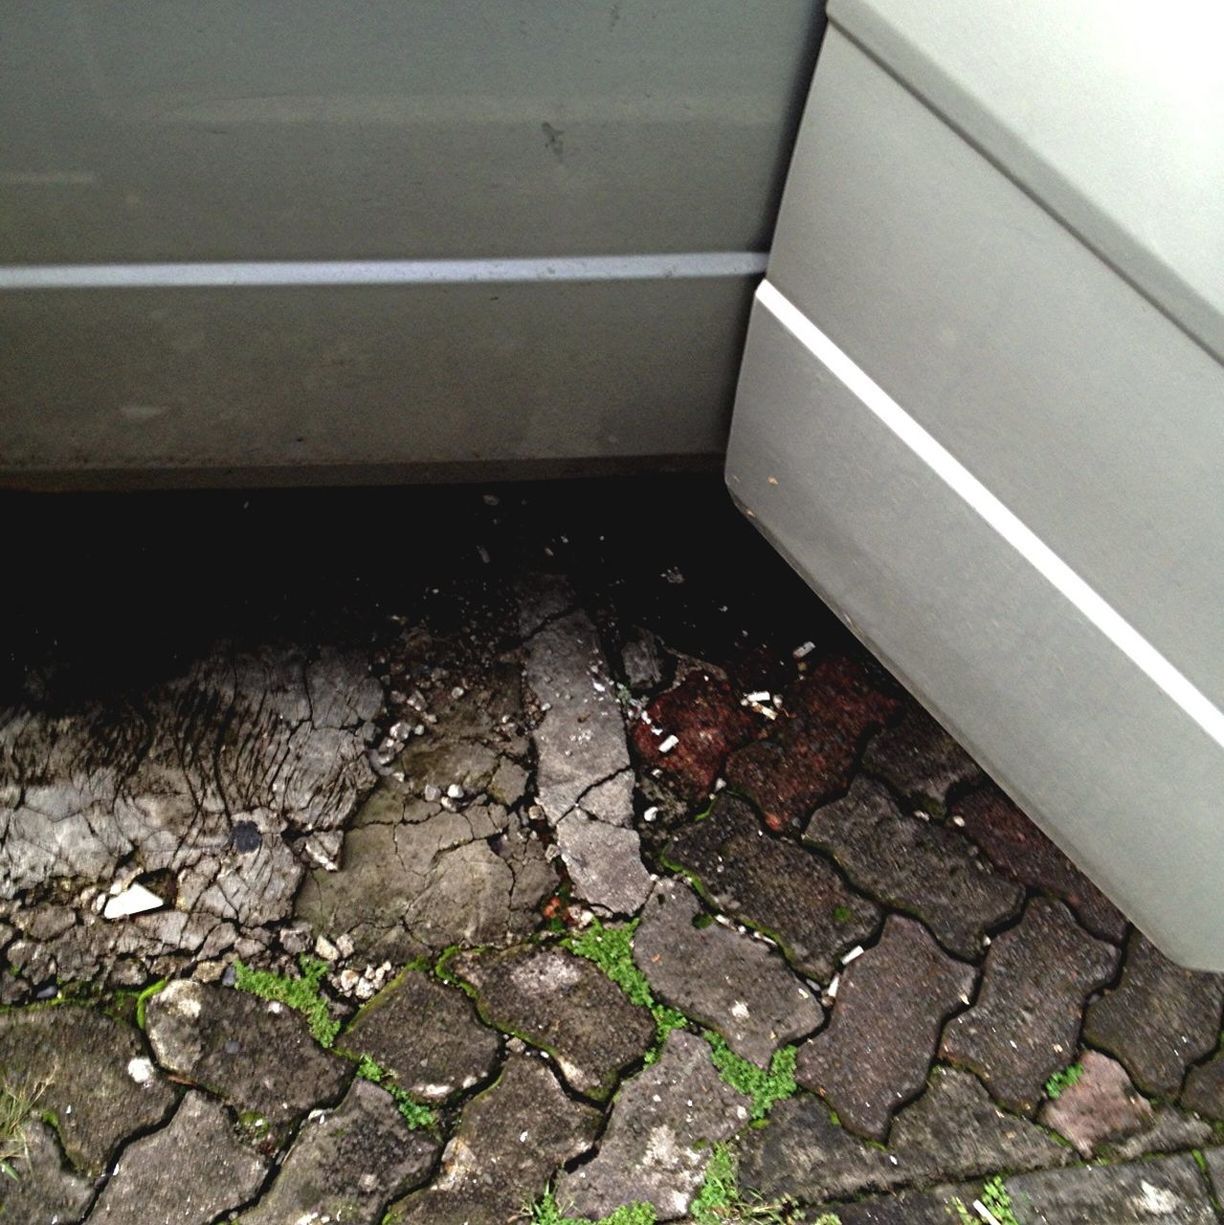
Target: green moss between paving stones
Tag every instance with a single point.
(301, 994)
(994, 1199)
(546, 1212)
(766, 1088)
(1060, 1082)
(413, 1113)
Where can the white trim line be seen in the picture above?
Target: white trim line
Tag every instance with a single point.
(971, 491)
(269, 273)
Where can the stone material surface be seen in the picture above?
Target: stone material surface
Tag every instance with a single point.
(878, 1046)
(564, 1005)
(934, 1207)
(256, 1055)
(1021, 852)
(1159, 1192)
(953, 1131)
(1102, 1107)
(188, 1173)
(346, 1164)
(92, 1073)
(1158, 1020)
(417, 874)
(510, 1142)
(705, 716)
(1204, 1089)
(658, 1139)
(812, 754)
(1024, 1025)
(922, 868)
(43, 1187)
(793, 895)
(920, 761)
(604, 863)
(730, 982)
(426, 1036)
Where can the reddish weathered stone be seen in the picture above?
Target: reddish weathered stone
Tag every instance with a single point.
(1019, 850)
(811, 756)
(704, 713)
(1101, 1107)
(877, 1049)
(1158, 1020)
(1023, 1026)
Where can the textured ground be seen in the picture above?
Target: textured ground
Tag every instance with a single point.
(473, 856)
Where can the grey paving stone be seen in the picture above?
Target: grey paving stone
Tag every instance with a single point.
(92, 1073)
(511, 1140)
(44, 1188)
(779, 888)
(1172, 1131)
(426, 1035)
(1158, 1020)
(1021, 852)
(920, 867)
(188, 1173)
(604, 863)
(1159, 1192)
(733, 983)
(933, 1207)
(1102, 1107)
(416, 875)
(810, 757)
(920, 761)
(953, 1132)
(1024, 1025)
(1204, 1089)
(658, 1138)
(564, 1005)
(346, 1164)
(1215, 1170)
(256, 1055)
(877, 1049)
(580, 737)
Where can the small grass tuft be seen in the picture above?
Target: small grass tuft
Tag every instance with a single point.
(545, 1211)
(766, 1088)
(1060, 1082)
(994, 1199)
(143, 998)
(17, 1103)
(302, 994)
(721, 1202)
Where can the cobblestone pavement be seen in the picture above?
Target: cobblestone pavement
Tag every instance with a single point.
(569, 862)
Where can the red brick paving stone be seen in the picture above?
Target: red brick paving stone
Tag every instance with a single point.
(919, 760)
(1019, 850)
(792, 894)
(812, 754)
(1158, 1020)
(1101, 1107)
(1024, 1025)
(704, 713)
(877, 1049)
(921, 867)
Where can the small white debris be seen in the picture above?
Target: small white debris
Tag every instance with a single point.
(650, 813)
(140, 1070)
(344, 942)
(804, 648)
(135, 899)
(523, 1136)
(759, 695)
(739, 1010)
(985, 1213)
(454, 791)
(458, 692)
(325, 949)
(719, 784)
(854, 953)
(830, 992)
(1156, 1200)
(958, 821)
(670, 743)
(432, 793)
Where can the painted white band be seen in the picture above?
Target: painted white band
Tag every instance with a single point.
(966, 486)
(266, 274)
